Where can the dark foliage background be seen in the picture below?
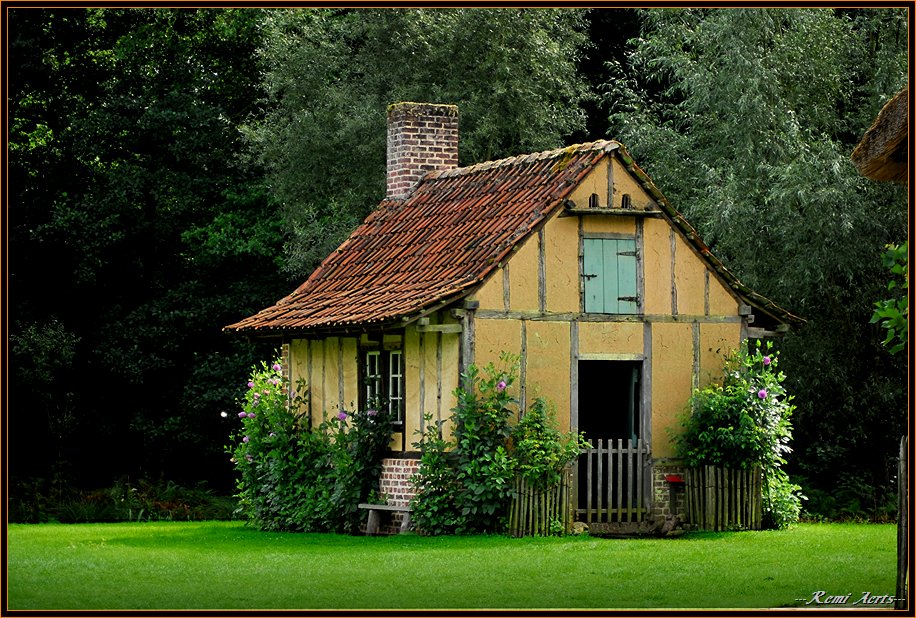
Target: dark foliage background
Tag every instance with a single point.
(173, 170)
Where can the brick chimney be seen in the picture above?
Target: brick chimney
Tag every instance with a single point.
(421, 137)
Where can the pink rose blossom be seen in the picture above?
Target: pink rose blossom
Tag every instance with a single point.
(762, 393)
(242, 414)
(501, 385)
(342, 415)
(766, 360)
(276, 367)
(251, 415)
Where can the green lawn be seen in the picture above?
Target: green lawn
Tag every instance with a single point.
(224, 565)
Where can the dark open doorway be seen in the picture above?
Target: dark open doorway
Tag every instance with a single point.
(609, 399)
(610, 415)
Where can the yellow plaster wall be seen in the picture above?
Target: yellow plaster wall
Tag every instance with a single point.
(332, 403)
(493, 337)
(412, 408)
(721, 301)
(298, 361)
(610, 338)
(490, 294)
(523, 277)
(561, 253)
(450, 378)
(351, 374)
(428, 366)
(624, 183)
(672, 380)
(689, 279)
(316, 386)
(547, 369)
(657, 266)
(594, 182)
(324, 356)
(424, 366)
(716, 340)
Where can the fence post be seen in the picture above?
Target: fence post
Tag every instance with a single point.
(902, 525)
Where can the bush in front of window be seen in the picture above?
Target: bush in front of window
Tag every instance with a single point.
(359, 441)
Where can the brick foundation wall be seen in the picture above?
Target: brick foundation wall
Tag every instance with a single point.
(421, 137)
(395, 487)
(395, 482)
(661, 490)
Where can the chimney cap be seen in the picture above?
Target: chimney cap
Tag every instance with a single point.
(439, 109)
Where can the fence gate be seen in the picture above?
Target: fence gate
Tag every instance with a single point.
(612, 485)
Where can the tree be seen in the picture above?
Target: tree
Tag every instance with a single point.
(893, 313)
(330, 74)
(137, 231)
(746, 119)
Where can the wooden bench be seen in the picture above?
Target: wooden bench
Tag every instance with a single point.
(375, 510)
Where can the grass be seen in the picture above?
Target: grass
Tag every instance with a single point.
(225, 565)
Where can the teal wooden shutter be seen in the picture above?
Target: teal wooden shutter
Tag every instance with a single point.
(593, 272)
(609, 270)
(625, 291)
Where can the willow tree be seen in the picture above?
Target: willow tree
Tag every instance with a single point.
(746, 118)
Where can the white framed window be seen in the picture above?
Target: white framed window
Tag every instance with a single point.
(383, 380)
(396, 386)
(373, 377)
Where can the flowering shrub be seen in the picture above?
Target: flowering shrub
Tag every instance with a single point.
(293, 477)
(744, 422)
(281, 466)
(465, 485)
(468, 489)
(482, 465)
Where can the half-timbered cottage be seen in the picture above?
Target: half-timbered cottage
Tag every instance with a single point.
(571, 259)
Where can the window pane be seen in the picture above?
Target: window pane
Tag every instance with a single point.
(373, 378)
(395, 385)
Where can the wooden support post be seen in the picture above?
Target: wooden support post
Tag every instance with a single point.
(902, 593)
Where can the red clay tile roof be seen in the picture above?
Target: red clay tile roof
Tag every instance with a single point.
(413, 255)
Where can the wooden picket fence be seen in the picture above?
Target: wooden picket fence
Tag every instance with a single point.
(535, 512)
(612, 485)
(724, 498)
